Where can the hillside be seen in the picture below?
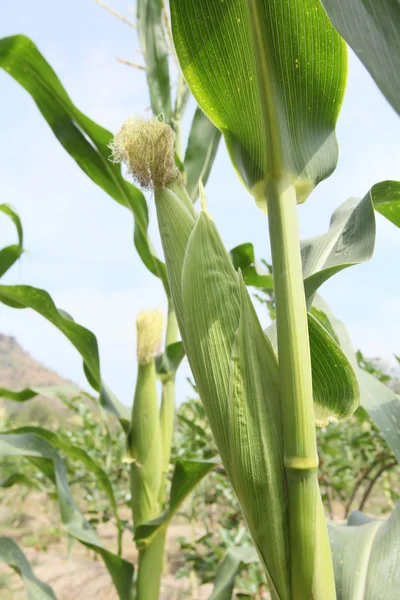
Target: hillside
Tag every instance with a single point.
(18, 370)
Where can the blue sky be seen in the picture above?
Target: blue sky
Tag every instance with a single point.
(79, 240)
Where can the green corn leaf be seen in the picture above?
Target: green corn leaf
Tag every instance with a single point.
(12, 555)
(85, 141)
(241, 391)
(23, 296)
(381, 403)
(75, 453)
(372, 29)
(10, 254)
(351, 236)
(200, 153)
(336, 390)
(187, 474)
(366, 558)
(386, 199)
(154, 46)
(168, 363)
(35, 446)
(19, 479)
(243, 258)
(229, 568)
(271, 76)
(29, 393)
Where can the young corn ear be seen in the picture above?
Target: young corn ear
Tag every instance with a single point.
(144, 449)
(236, 372)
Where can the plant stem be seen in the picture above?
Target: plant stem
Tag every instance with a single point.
(167, 411)
(307, 531)
(151, 560)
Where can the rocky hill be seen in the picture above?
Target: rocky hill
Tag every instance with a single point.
(18, 370)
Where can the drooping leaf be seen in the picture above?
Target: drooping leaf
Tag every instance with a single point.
(229, 568)
(243, 258)
(381, 403)
(200, 153)
(75, 453)
(366, 558)
(349, 241)
(386, 199)
(10, 254)
(12, 555)
(35, 446)
(372, 29)
(271, 76)
(85, 141)
(154, 47)
(23, 296)
(187, 474)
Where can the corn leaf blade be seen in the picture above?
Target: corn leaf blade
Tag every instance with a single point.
(23, 296)
(12, 555)
(154, 46)
(10, 254)
(229, 568)
(386, 199)
(200, 152)
(36, 447)
(271, 76)
(372, 30)
(366, 559)
(84, 140)
(243, 258)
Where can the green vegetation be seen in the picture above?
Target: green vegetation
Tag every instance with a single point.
(270, 471)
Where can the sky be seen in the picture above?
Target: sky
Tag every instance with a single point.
(80, 242)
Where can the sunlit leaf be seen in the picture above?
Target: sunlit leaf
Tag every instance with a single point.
(372, 29)
(200, 153)
(386, 199)
(154, 46)
(12, 555)
(271, 76)
(85, 141)
(32, 445)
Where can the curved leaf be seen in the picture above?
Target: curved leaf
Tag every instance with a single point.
(271, 76)
(336, 390)
(367, 559)
(155, 53)
(372, 29)
(187, 474)
(12, 555)
(10, 254)
(18, 479)
(73, 452)
(35, 446)
(24, 296)
(349, 241)
(243, 258)
(229, 568)
(85, 141)
(200, 153)
(381, 403)
(29, 393)
(168, 363)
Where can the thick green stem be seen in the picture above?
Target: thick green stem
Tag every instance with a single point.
(309, 549)
(151, 560)
(167, 411)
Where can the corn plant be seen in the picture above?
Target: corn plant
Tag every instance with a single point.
(269, 76)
